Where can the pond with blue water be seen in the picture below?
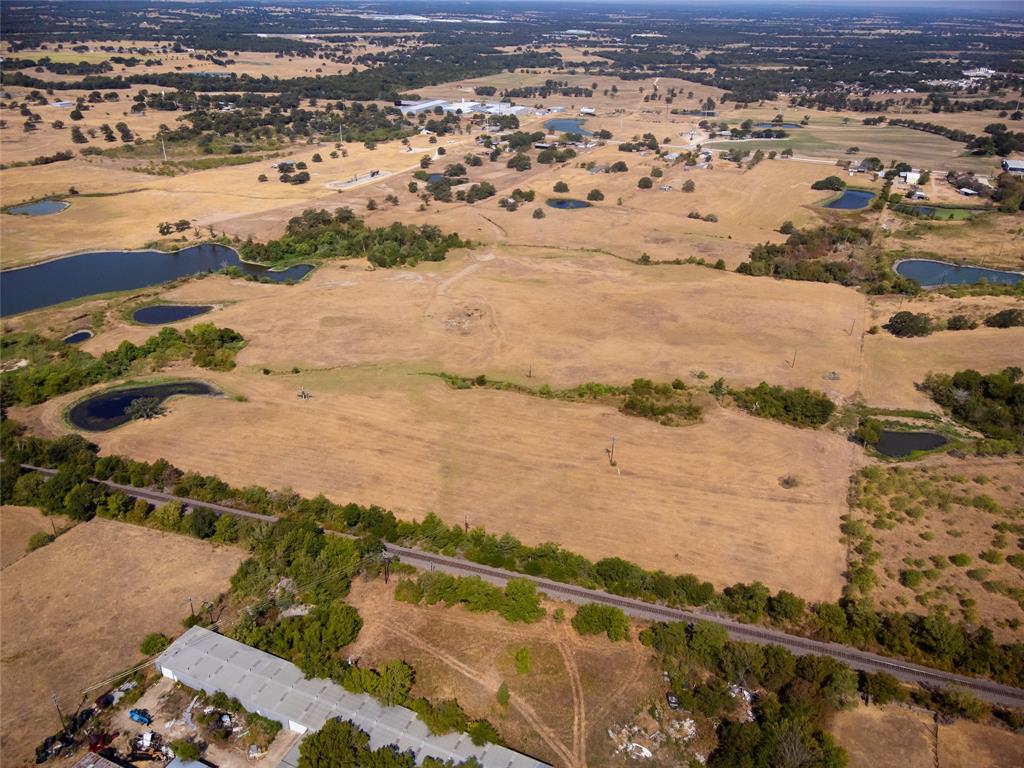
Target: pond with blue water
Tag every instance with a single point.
(158, 314)
(107, 410)
(567, 204)
(896, 444)
(73, 277)
(928, 273)
(77, 337)
(851, 200)
(567, 125)
(39, 208)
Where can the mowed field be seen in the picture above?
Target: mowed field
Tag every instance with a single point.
(704, 499)
(74, 612)
(897, 737)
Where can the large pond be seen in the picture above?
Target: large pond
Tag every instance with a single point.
(567, 204)
(158, 314)
(567, 125)
(928, 273)
(852, 199)
(896, 444)
(39, 208)
(73, 277)
(108, 409)
(762, 126)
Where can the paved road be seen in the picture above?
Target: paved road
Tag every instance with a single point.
(857, 659)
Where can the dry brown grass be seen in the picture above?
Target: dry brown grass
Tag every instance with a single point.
(938, 509)
(17, 524)
(694, 499)
(75, 611)
(974, 745)
(886, 737)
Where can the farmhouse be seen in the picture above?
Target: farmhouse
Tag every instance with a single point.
(277, 689)
(1016, 167)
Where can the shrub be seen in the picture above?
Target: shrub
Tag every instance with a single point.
(186, 750)
(908, 324)
(870, 432)
(689, 186)
(1008, 318)
(594, 619)
(961, 323)
(645, 182)
(153, 644)
(561, 187)
(37, 540)
(523, 661)
(538, 213)
(595, 195)
(503, 694)
(801, 407)
(961, 559)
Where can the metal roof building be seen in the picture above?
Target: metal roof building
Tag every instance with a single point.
(277, 689)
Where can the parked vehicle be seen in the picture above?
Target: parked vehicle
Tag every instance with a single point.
(672, 699)
(141, 716)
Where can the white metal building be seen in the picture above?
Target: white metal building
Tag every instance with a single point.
(416, 107)
(277, 689)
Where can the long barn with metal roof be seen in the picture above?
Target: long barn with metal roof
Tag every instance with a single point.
(277, 689)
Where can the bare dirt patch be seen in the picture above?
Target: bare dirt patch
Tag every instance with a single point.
(75, 611)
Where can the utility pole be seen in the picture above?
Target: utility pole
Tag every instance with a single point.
(611, 452)
(163, 146)
(191, 608)
(60, 714)
(465, 523)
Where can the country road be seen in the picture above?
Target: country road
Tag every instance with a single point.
(987, 690)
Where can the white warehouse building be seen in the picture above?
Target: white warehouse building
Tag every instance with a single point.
(277, 689)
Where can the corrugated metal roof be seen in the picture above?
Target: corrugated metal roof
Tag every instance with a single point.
(277, 689)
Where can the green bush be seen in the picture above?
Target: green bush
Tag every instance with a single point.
(908, 324)
(801, 407)
(829, 182)
(153, 644)
(594, 619)
(37, 540)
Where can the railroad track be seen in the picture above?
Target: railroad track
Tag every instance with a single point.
(995, 693)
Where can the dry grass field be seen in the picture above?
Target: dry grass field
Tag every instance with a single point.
(693, 499)
(559, 712)
(75, 611)
(896, 737)
(17, 524)
(923, 519)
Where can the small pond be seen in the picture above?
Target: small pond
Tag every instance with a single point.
(106, 410)
(567, 125)
(852, 199)
(73, 277)
(567, 204)
(77, 337)
(762, 126)
(433, 178)
(928, 273)
(158, 314)
(896, 444)
(39, 208)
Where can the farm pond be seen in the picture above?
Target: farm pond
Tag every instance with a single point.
(158, 314)
(896, 444)
(928, 273)
(109, 409)
(567, 204)
(74, 277)
(851, 200)
(39, 208)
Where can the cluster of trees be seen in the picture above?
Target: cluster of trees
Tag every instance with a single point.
(931, 639)
(906, 324)
(59, 368)
(830, 182)
(801, 407)
(318, 234)
(993, 403)
(519, 601)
